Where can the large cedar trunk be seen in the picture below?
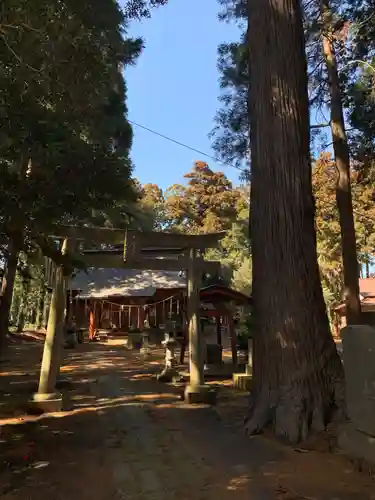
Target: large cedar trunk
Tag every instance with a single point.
(343, 189)
(297, 373)
(7, 291)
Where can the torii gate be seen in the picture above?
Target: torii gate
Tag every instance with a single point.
(141, 250)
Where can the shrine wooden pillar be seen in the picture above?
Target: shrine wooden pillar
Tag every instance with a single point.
(141, 317)
(218, 329)
(69, 307)
(233, 340)
(92, 321)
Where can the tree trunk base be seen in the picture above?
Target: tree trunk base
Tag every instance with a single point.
(294, 416)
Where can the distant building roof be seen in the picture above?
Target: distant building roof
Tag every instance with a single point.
(107, 282)
(367, 286)
(223, 293)
(366, 295)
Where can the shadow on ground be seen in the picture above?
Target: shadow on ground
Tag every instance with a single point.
(129, 437)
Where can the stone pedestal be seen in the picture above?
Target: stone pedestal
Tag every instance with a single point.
(357, 444)
(200, 394)
(46, 403)
(358, 438)
(129, 343)
(242, 381)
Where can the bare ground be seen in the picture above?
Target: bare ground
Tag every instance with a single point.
(128, 437)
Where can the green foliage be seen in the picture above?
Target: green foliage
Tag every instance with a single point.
(242, 276)
(141, 8)
(231, 132)
(353, 29)
(206, 204)
(28, 294)
(328, 227)
(360, 86)
(65, 140)
(152, 206)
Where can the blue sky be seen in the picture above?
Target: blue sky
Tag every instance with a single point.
(173, 88)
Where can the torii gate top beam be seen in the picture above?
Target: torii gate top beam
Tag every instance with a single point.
(144, 238)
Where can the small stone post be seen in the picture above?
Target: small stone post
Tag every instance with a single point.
(47, 397)
(243, 381)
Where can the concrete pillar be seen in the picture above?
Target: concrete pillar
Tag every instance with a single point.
(357, 437)
(47, 397)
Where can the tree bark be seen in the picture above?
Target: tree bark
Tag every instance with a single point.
(41, 304)
(7, 291)
(23, 306)
(343, 189)
(297, 373)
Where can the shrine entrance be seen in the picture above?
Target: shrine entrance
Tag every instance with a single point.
(132, 250)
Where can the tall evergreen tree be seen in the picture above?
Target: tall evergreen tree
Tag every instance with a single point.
(231, 133)
(206, 204)
(65, 140)
(348, 32)
(329, 33)
(298, 377)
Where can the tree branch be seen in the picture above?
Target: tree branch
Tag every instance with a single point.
(320, 125)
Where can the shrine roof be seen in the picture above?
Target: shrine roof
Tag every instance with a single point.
(222, 293)
(107, 282)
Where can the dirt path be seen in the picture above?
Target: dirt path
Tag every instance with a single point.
(131, 438)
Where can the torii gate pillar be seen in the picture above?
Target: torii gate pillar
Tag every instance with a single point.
(47, 399)
(197, 391)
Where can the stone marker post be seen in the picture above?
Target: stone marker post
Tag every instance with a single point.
(241, 380)
(357, 437)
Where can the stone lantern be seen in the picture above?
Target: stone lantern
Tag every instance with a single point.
(170, 344)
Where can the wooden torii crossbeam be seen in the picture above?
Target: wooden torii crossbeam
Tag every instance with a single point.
(141, 250)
